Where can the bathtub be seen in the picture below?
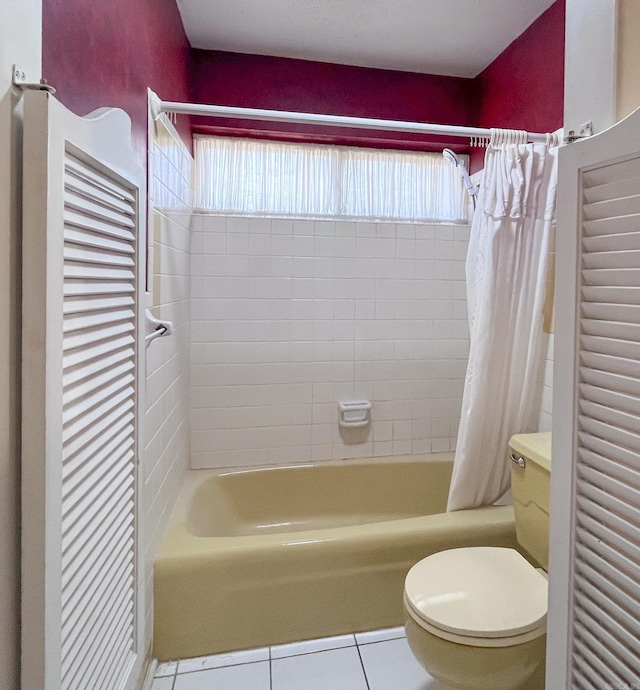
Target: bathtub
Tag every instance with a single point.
(267, 556)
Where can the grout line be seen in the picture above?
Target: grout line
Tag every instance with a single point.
(364, 671)
(316, 651)
(400, 636)
(270, 670)
(215, 668)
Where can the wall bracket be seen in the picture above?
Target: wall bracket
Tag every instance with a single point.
(20, 81)
(585, 130)
(155, 328)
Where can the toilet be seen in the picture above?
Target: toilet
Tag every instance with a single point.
(476, 616)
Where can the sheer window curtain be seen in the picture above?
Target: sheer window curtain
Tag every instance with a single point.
(254, 177)
(506, 283)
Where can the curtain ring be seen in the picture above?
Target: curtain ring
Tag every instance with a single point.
(496, 137)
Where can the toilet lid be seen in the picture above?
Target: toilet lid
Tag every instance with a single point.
(478, 592)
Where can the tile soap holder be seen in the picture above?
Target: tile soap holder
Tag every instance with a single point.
(354, 414)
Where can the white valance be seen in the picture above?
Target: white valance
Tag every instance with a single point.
(266, 178)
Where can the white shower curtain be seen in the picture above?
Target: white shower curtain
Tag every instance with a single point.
(506, 281)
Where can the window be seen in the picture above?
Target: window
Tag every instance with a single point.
(266, 178)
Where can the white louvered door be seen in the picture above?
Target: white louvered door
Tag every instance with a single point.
(83, 215)
(594, 608)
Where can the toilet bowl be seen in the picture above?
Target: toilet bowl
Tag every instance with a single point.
(476, 616)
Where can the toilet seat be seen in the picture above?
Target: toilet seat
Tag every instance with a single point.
(478, 596)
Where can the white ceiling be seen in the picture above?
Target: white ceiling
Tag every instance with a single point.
(452, 37)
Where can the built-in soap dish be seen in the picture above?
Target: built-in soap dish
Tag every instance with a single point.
(354, 414)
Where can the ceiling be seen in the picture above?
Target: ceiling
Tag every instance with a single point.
(451, 37)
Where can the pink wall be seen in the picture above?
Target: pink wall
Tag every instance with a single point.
(107, 54)
(523, 88)
(285, 84)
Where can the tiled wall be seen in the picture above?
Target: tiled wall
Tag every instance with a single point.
(166, 442)
(289, 317)
(546, 407)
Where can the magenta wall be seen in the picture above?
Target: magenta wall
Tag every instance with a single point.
(99, 54)
(523, 88)
(107, 54)
(299, 85)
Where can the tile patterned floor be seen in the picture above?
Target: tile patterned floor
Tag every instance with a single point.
(378, 660)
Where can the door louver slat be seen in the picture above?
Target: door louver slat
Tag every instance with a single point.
(610, 362)
(77, 169)
(91, 319)
(83, 538)
(97, 432)
(76, 674)
(608, 294)
(598, 645)
(85, 237)
(609, 380)
(612, 190)
(616, 418)
(79, 372)
(627, 403)
(94, 440)
(614, 455)
(73, 288)
(595, 582)
(100, 450)
(611, 226)
(108, 543)
(607, 208)
(98, 403)
(583, 680)
(107, 256)
(611, 175)
(86, 354)
(609, 346)
(591, 615)
(95, 209)
(85, 187)
(603, 243)
(92, 303)
(86, 271)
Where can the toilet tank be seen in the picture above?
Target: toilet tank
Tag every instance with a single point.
(530, 481)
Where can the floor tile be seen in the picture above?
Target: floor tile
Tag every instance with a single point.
(203, 663)
(391, 665)
(321, 644)
(380, 635)
(166, 668)
(337, 669)
(243, 677)
(165, 683)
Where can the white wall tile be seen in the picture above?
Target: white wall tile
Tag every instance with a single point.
(546, 405)
(166, 429)
(289, 317)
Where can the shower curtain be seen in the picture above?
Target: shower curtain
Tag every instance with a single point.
(506, 282)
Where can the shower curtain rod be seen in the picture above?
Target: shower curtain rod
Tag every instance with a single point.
(332, 120)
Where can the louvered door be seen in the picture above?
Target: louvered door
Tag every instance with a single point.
(83, 205)
(594, 612)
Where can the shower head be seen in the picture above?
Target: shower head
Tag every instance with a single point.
(451, 157)
(454, 160)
